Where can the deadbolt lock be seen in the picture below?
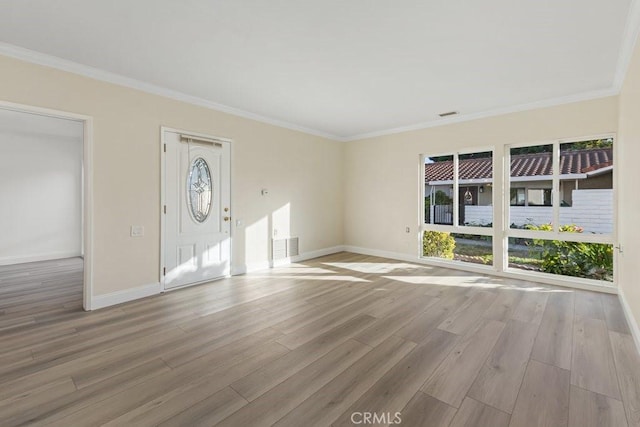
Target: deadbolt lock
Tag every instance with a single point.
(226, 209)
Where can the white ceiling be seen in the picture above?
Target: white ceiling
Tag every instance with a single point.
(337, 67)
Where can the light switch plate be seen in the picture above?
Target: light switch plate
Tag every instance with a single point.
(137, 231)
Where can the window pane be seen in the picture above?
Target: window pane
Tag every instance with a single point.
(199, 188)
(475, 180)
(517, 197)
(438, 190)
(530, 187)
(586, 186)
(539, 196)
(460, 247)
(576, 259)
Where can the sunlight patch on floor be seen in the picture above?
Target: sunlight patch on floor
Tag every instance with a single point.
(470, 282)
(374, 267)
(327, 278)
(302, 269)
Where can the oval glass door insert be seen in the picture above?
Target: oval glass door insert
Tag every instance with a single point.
(200, 189)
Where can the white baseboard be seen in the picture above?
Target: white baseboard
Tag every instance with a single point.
(39, 257)
(315, 254)
(237, 271)
(631, 320)
(251, 267)
(383, 254)
(125, 295)
(263, 265)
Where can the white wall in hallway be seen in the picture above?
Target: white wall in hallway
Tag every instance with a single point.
(40, 187)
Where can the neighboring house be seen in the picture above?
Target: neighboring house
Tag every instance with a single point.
(531, 185)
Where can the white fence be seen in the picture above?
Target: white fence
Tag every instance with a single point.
(592, 210)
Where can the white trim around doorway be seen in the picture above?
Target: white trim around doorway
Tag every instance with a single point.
(87, 187)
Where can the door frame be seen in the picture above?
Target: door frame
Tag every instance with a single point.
(163, 198)
(86, 195)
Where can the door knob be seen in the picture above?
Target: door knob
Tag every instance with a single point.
(227, 218)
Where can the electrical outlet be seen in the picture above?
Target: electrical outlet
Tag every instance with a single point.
(137, 231)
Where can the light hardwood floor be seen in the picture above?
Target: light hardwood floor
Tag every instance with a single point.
(313, 343)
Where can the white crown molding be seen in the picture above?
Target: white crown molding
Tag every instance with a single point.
(630, 37)
(117, 79)
(631, 33)
(552, 102)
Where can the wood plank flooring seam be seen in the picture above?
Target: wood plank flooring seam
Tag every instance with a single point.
(490, 406)
(630, 422)
(584, 389)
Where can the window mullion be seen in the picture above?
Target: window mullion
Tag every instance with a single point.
(555, 193)
(456, 196)
(422, 189)
(499, 194)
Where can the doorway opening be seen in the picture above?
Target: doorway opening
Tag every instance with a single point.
(45, 221)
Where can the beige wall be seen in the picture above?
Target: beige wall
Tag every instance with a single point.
(382, 193)
(317, 188)
(301, 171)
(628, 178)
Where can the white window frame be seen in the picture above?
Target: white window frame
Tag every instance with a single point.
(501, 231)
(456, 227)
(555, 195)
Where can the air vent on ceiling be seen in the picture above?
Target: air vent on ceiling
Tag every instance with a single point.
(448, 113)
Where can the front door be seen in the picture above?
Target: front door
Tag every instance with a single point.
(198, 218)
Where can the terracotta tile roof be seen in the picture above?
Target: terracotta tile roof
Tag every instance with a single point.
(571, 162)
(469, 169)
(584, 161)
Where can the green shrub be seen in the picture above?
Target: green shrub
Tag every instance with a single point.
(438, 244)
(578, 259)
(441, 198)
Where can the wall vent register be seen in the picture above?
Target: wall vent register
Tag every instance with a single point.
(284, 248)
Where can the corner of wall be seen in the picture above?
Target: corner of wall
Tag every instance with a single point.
(631, 320)
(628, 201)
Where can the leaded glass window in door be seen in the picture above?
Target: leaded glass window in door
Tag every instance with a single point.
(200, 190)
